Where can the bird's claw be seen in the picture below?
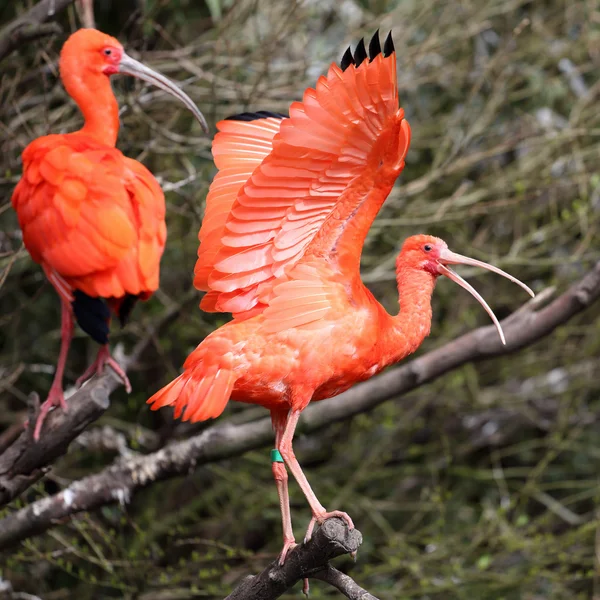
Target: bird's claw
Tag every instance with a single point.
(305, 587)
(56, 398)
(320, 518)
(287, 546)
(97, 368)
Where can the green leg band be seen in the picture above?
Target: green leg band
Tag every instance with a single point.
(276, 456)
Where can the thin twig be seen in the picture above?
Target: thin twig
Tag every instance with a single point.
(31, 25)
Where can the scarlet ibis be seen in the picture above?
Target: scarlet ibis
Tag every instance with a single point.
(93, 218)
(280, 245)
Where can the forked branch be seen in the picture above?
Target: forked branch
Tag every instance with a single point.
(344, 583)
(332, 539)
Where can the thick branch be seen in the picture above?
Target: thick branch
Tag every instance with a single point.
(25, 461)
(126, 475)
(31, 25)
(331, 539)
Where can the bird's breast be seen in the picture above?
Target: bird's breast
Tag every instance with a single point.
(299, 365)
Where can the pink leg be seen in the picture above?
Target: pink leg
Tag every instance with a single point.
(281, 481)
(97, 368)
(56, 396)
(318, 511)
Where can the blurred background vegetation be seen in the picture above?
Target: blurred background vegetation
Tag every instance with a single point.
(482, 485)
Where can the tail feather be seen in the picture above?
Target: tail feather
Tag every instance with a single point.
(198, 394)
(216, 397)
(184, 398)
(92, 315)
(201, 390)
(165, 396)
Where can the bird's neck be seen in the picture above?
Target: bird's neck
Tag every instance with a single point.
(412, 324)
(96, 100)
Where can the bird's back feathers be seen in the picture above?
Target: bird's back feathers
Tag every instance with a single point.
(91, 215)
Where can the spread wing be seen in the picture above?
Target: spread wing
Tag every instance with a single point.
(322, 169)
(91, 216)
(242, 143)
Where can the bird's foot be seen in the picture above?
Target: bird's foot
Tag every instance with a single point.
(321, 517)
(290, 544)
(97, 368)
(55, 398)
(305, 587)
(287, 546)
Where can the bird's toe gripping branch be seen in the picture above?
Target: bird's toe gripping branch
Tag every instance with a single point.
(97, 368)
(320, 518)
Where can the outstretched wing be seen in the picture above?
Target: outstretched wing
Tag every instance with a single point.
(91, 216)
(242, 143)
(325, 162)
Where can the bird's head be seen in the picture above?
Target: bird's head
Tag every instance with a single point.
(431, 254)
(91, 53)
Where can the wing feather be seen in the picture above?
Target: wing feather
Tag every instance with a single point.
(324, 162)
(236, 164)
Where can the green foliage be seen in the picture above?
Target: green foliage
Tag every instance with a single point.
(482, 484)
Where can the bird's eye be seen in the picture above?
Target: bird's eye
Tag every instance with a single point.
(427, 247)
(107, 51)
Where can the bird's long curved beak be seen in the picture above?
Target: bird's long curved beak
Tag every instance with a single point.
(447, 257)
(130, 66)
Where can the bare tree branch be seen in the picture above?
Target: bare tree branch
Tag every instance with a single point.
(25, 461)
(128, 474)
(31, 25)
(343, 583)
(332, 539)
(85, 10)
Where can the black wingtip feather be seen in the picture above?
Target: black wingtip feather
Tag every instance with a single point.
(347, 59)
(374, 46)
(388, 46)
(254, 116)
(360, 54)
(126, 307)
(92, 315)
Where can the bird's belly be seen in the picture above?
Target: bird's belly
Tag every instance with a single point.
(342, 381)
(286, 370)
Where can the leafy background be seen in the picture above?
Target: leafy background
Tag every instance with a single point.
(483, 484)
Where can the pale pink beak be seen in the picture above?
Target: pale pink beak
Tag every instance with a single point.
(130, 66)
(448, 257)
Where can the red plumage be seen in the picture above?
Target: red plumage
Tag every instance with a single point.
(93, 218)
(285, 223)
